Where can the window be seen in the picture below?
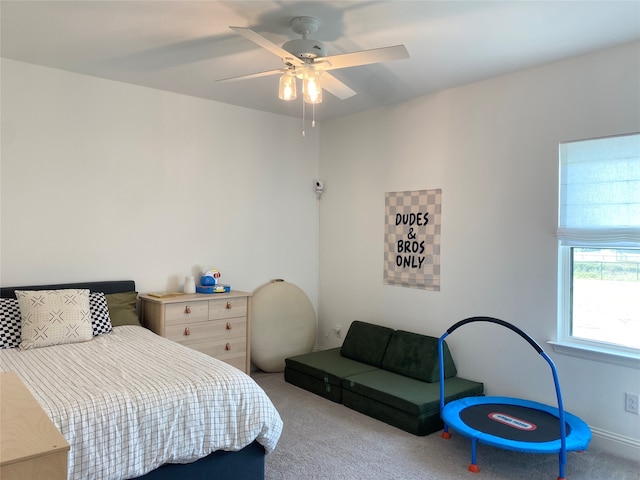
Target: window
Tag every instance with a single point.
(599, 245)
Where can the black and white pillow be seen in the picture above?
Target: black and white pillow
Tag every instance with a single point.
(10, 324)
(100, 320)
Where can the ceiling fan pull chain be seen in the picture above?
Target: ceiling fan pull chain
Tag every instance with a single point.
(303, 111)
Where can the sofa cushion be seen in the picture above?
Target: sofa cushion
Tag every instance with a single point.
(315, 385)
(416, 356)
(326, 365)
(366, 342)
(407, 394)
(423, 424)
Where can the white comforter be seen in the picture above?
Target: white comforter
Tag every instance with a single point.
(130, 401)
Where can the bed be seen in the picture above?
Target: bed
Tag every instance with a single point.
(132, 404)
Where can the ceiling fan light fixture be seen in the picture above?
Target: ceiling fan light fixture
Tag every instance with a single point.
(308, 59)
(287, 87)
(311, 86)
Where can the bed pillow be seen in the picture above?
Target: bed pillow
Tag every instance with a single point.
(122, 308)
(9, 323)
(54, 317)
(100, 319)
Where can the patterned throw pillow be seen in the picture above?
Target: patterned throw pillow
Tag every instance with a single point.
(100, 320)
(9, 323)
(54, 317)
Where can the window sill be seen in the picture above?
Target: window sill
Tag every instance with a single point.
(597, 354)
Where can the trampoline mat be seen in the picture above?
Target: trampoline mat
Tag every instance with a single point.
(513, 422)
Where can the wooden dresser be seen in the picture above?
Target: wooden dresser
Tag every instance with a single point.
(216, 324)
(31, 447)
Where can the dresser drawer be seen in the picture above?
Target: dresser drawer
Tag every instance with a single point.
(238, 362)
(227, 308)
(223, 349)
(182, 312)
(189, 333)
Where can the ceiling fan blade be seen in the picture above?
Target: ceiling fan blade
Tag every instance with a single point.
(267, 44)
(334, 86)
(363, 57)
(251, 75)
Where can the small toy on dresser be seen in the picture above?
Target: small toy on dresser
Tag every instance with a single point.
(210, 283)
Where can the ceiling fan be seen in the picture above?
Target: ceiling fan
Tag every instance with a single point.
(307, 59)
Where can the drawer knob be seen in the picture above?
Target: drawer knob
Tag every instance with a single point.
(228, 325)
(187, 332)
(187, 309)
(227, 346)
(228, 305)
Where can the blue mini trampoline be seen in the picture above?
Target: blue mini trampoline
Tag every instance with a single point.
(513, 423)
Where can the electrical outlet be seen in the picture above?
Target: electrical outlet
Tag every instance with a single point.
(631, 402)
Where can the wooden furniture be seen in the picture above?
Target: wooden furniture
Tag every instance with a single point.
(31, 447)
(216, 324)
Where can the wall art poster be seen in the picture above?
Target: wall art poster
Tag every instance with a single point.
(412, 239)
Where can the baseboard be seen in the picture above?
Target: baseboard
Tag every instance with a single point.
(615, 444)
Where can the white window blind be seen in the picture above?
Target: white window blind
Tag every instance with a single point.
(600, 192)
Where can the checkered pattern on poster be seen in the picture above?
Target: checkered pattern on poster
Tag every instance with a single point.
(412, 239)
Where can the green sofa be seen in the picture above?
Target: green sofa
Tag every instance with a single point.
(391, 375)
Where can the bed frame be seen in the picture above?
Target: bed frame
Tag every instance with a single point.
(221, 465)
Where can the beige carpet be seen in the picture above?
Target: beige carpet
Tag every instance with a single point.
(327, 441)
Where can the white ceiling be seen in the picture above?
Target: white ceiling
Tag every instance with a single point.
(184, 46)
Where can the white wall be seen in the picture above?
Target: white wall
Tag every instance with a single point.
(103, 180)
(492, 148)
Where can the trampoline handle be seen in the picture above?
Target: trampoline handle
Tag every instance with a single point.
(531, 341)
